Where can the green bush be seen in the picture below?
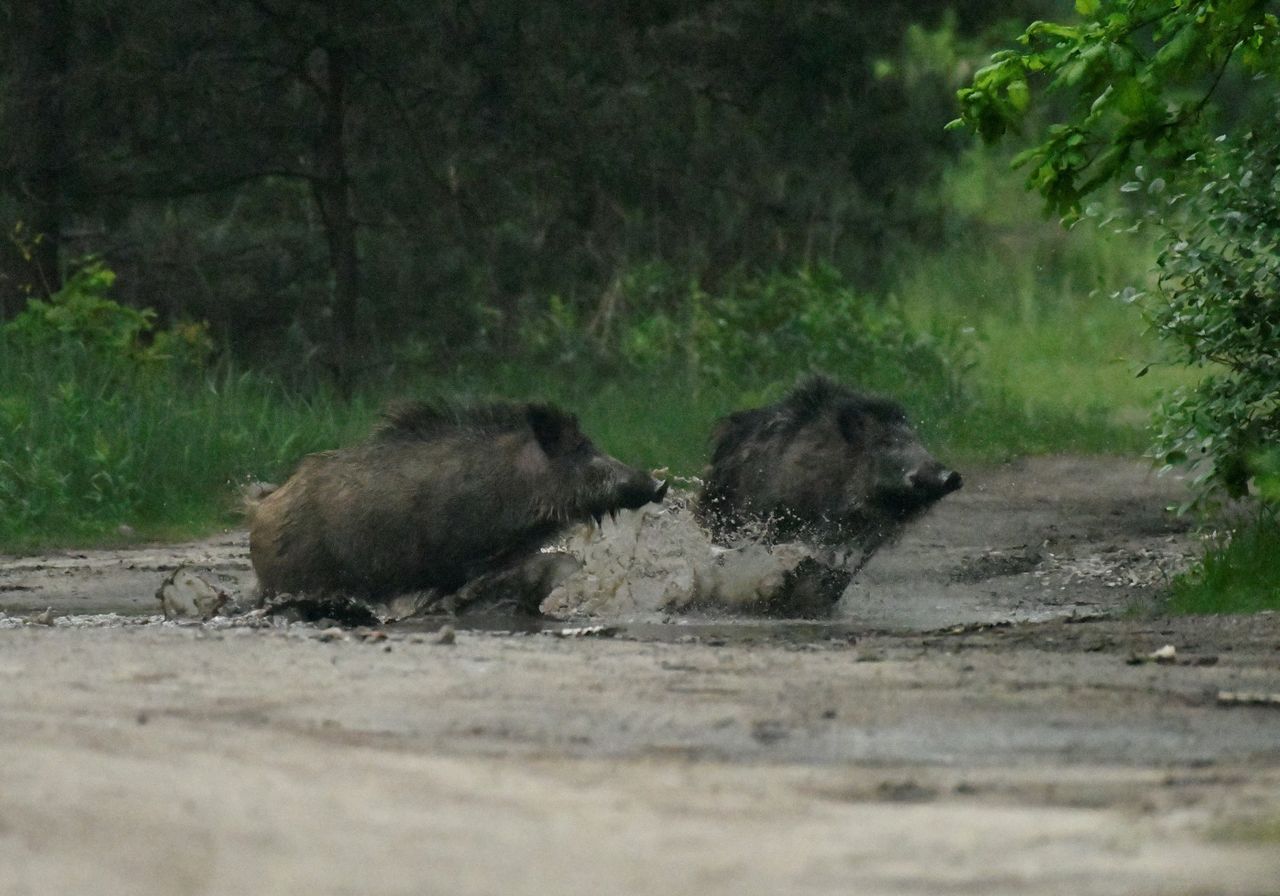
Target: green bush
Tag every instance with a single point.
(762, 330)
(81, 317)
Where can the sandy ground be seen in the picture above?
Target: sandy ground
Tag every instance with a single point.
(984, 717)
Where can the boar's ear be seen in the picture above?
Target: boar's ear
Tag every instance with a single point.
(556, 431)
(852, 423)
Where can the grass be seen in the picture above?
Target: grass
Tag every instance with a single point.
(1054, 345)
(1237, 575)
(89, 444)
(87, 447)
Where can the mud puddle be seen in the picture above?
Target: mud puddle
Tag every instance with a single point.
(713, 633)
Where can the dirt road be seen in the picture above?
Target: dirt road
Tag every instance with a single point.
(986, 716)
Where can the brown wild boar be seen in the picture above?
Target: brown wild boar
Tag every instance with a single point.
(434, 499)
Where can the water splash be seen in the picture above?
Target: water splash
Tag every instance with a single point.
(659, 560)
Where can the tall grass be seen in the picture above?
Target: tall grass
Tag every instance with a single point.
(88, 446)
(1237, 575)
(1053, 344)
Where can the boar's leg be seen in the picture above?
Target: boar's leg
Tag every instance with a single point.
(517, 590)
(348, 611)
(810, 591)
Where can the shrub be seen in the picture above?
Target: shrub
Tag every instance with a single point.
(81, 317)
(1239, 573)
(1218, 307)
(763, 330)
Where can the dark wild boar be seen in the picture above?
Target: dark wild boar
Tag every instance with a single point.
(825, 465)
(434, 499)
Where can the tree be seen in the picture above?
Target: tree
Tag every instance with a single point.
(1138, 81)
(313, 171)
(36, 160)
(120, 108)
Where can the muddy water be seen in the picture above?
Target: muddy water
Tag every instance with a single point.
(1043, 539)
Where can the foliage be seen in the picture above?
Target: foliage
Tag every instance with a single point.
(1038, 302)
(94, 439)
(768, 329)
(658, 359)
(493, 153)
(1139, 76)
(1135, 78)
(105, 421)
(1218, 305)
(81, 317)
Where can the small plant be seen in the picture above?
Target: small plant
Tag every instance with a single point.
(82, 316)
(1238, 574)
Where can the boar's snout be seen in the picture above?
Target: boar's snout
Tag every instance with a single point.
(640, 490)
(626, 488)
(660, 492)
(933, 480)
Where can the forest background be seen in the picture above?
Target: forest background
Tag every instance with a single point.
(233, 230)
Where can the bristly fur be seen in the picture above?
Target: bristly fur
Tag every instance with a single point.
(426, 420)
(814, 396)
(817, 393)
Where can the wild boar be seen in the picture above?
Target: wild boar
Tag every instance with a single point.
(825, 465)
(435, 498)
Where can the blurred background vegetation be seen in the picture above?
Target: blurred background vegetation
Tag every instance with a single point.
(234, 229)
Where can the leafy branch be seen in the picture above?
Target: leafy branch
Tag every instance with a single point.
(1136, 77)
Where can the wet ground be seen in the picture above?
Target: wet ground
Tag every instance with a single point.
(993, 710)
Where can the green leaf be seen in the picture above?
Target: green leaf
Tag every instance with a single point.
(1102, 98)
(1072, 73)
(1062, 33)
(1179, 46)
(1025, 156)
(1019, 95)
(1087, 8)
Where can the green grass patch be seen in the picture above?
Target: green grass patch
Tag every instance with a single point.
(1239, 574)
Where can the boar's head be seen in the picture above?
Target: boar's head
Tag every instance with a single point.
(825, 464)
(582, 481)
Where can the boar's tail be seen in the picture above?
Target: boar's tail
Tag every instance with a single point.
(253, 494)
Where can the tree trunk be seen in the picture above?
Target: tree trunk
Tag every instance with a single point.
(37, 132)
(332, 190)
